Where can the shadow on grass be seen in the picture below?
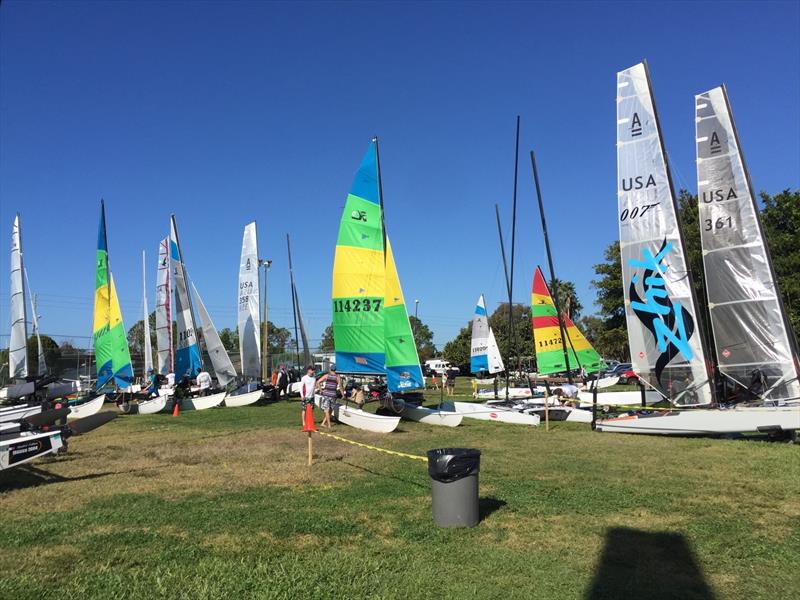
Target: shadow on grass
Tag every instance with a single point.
(641, 564)
(486, 506)
(28, 476)
(386, 475)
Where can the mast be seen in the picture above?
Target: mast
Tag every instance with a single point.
(147, 348)
(511, 333)
(294, 300)
(41, 364)
(189, 306)
(513, 246)
(561, 327)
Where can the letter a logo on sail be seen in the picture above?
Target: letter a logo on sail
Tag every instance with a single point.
(715, 145)
(636, 125)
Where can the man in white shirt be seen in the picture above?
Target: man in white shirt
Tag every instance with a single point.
(307, 383)
(171, 380)
(204, 382)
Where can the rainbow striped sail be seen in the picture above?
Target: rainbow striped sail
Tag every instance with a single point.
(547, 335)
(112, 357)
(359, 276)
(403, 372)
(371, 330)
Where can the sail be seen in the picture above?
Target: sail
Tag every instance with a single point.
(148, 348)
(164, 311)
(547, 335)
(41, 362)
(403, 371)
(249, 322)
(112, 357)
(359, 276)
(187, 355)
(223, 368)
(749, 324)
(17, 346)
(664, 332)
(484, 353)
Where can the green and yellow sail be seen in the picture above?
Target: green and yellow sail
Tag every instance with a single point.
(112, 357)
(547, 336)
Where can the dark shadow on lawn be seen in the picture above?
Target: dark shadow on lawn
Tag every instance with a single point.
(641, 564)
(486, 506)
(387, 475)
(28, 476)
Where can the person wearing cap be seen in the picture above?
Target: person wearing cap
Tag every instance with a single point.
(330, 384)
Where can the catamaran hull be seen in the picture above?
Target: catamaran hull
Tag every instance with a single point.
(619, 398)
(431, 416)
(601, 383)
(243, 399)
(150, 407)
(15, 413)
(513, 393)
(86, 409)
(361, 419)
(490, 413)
(563, 413)
(28, 446)
(707, 421)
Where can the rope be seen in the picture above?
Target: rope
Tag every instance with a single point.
(367, 446)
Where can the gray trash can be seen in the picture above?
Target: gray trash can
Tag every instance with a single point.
(454, 486)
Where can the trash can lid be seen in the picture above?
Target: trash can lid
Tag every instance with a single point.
(461, 452)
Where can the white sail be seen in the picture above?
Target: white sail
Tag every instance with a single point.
(17, 346)
(493, 353)
(664, 331)
(41, 362)
(187, 353)
(223, 368)
(148, 348)
(751, 335)
(164, 311)
(249, 322)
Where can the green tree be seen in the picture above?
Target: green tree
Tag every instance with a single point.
(567, 297)
(423, 337)
(609, 336)
(457, 350)
(326, 343)
(277, 338)
(230, 339)
(52, 354)
(136, 336)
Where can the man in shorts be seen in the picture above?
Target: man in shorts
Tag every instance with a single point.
(307, 384)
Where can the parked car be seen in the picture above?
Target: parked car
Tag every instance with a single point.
(628, 377)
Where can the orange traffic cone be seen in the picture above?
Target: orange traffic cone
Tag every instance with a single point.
(176, 409)
(308, 420)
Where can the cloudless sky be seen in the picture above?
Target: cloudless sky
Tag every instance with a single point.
(227, 112)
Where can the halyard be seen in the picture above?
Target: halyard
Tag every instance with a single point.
(220, 503)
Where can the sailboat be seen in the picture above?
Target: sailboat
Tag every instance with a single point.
(111, 353)
(658, 306)
(249, 321)
(166, 356)
(372, 334)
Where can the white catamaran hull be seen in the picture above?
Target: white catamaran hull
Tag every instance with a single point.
(243, 399)
(707, 421)
(86, 409)
(15, 413)
(431, 416)
(361, 419)
(198, 402)
(490, 413)
(601, 383)
(562, 413)
(619, 398)
(519, 393)
(28, 446)
(150, 407)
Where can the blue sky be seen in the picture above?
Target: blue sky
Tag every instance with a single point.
(225, 113)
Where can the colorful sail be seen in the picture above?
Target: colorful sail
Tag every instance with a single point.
(547, 335)
(17, 346)
(403, 371)
(187, 355)
(166, 358)
(751, 332)
(484, 353)
(148, 348)
(223, 368)
(359, 276)
(249, 321)
(112, 357)
(661, 311)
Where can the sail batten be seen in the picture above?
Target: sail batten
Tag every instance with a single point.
(249, 321)
(484, 353)
(18, 343)
(751, 333)
(187, 355)
(660, 307)
(166, 357)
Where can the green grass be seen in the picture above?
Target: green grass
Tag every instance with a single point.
(220, 504)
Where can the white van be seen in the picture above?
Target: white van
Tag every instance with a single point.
(439, 365)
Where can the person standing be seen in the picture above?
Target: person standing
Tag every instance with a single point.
(307, 384)
(204, 382)
(331, 385)
(283, 382)
(451, 382)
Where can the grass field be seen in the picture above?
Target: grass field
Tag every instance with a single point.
(220, 504)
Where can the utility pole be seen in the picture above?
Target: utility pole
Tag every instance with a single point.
(265, 371)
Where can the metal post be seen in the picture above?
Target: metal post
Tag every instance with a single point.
(594, 408)
(642, 392)
(265, 370)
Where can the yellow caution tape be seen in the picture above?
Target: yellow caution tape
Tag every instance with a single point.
(384, 450)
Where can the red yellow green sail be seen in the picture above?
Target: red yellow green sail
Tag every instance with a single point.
(547, 336)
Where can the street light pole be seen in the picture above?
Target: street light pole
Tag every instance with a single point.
(416, 319)
(265, 331)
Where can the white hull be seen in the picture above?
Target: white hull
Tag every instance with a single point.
(707, 421)
(619, 398)
(604, 382)
(361, 419)
(197, 402)
(149, 407)
(15, 413)
(563, 413)
(490, 413)
(431, 416)
(86, 409)
(28, 446)
(513, 393)
(243, 399)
